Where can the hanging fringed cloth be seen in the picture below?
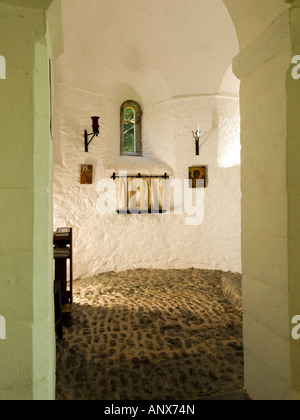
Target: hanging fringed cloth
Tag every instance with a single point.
(141, 194)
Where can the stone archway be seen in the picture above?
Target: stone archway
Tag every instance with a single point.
(269, 36)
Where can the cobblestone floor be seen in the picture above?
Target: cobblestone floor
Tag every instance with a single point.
(150, 335)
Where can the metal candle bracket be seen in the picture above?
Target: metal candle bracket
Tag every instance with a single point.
(197, 139)
(95, 132)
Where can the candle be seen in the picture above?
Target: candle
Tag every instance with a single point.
(95, 125)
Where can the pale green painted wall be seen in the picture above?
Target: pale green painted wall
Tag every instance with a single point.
(27, 356)
(269, 37)
(293, 182)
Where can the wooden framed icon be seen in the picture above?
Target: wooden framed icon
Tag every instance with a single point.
(86, 174)
(198, 176)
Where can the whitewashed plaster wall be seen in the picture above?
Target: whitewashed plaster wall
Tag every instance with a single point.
(174, 62)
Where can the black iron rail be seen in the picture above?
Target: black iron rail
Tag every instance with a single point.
(165, 176)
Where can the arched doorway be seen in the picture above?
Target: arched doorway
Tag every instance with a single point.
(269, 188)
(269, 37)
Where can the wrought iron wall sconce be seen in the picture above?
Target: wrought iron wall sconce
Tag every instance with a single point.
(95, 132)
(197, 139)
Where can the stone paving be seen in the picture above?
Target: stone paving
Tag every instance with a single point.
(151, 335)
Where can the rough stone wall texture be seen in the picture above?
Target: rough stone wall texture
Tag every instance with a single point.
(176, 79)
(120, 242)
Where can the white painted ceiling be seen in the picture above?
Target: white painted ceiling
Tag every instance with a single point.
(164, 48)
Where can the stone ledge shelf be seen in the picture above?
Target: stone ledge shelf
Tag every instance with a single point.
(232, 289)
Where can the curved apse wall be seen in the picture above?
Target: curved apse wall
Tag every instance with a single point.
(172, 61)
